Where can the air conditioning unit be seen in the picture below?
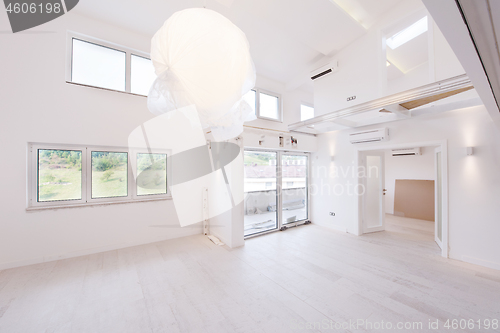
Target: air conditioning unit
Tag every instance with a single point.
(333, 66)
(374, 135)
(407, 152)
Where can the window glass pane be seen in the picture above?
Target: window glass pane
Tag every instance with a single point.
(306, 112)
(151, 174)
(59, 175)
(250, 98)
(142, 75)
(109, 174)
(98, 66)
(260, 192)
(294, 192)
(269, 106)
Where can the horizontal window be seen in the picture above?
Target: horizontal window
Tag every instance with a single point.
(266, 105)
(98, 66)
(76, 175)
(105, 65)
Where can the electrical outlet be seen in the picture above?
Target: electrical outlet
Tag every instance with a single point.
(352, 98)
(332, 214)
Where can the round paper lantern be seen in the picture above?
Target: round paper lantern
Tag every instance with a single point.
(202, 58)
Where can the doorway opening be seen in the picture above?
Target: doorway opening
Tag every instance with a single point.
(276, 190)
(405, 189)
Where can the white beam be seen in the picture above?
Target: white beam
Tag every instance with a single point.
(398, 110)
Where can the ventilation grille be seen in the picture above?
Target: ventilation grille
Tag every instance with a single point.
(328, 71)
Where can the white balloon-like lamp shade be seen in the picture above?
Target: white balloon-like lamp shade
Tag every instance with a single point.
(202, 58)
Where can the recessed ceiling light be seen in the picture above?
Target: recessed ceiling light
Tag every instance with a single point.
(405, 35)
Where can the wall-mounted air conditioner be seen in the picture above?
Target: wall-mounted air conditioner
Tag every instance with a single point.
(407, 152)
(329, 68)
(374, 135)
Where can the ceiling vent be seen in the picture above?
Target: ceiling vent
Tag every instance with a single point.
(407, 152)
(325, 70)
(374, 135)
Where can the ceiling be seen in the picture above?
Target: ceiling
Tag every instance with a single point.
(287, 37)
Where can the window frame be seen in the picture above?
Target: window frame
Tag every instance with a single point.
(279, 188)
(33, 176)
(89, 174)
(133, 161)
(258, 91)
(70, 35)
(86, 174)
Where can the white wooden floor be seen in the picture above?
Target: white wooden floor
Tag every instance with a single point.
(279, 282)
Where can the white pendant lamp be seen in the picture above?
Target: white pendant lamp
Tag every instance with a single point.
(201, 58)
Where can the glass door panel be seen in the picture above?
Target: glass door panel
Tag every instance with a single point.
(374, 201)
(438, 234)
(294, 201)
(260, 203)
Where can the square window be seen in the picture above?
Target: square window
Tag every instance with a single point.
(109, 174)
(269, 106)
(306, 112)
(59, 175)
(151, 174)
(142, 75)
(97, 65)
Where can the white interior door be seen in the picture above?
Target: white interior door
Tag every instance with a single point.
(374, 192)
(438, 197)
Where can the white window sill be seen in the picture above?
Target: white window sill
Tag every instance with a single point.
(102, 203)
(118, 91)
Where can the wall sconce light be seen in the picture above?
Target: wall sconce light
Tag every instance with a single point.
(332, 158)
(470, 151)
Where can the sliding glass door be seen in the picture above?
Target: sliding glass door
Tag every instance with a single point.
(275, 193)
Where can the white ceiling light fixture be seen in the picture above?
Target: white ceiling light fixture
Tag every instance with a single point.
(407, 34)
(201, 58)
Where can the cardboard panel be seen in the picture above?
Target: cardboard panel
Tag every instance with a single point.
(414, 199)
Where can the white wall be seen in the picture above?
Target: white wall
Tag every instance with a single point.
(406, 167)
(38, 106)
(474, 181)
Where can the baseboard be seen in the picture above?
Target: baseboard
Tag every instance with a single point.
(333, 226)
(481, 262)
(74, 254)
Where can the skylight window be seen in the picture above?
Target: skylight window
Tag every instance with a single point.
(405, 35)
